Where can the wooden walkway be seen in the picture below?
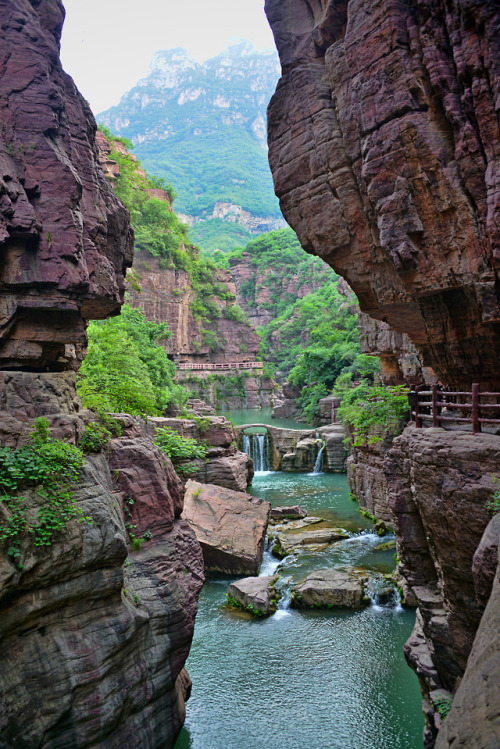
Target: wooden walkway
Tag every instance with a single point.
(475, 408)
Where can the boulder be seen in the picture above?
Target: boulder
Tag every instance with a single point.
(230, 526)
(254, 594)
(329, 588)
(229, 468)
(285, 543)
(294, 513)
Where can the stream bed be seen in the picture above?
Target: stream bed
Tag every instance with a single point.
(304, 679)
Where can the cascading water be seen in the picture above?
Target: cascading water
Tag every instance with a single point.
(318, 465)
(256, 446)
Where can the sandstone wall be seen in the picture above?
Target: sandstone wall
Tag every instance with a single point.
(233, 389)
(383, 142)
(65, 239)
(438, 483)
(166, 296)
(95, 632)
(93, 636)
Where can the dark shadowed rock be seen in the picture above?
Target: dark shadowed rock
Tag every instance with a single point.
(474, 719)
(485, 561)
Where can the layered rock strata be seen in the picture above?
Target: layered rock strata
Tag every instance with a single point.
(474, 720)
(230, 526)
(224, 465)
(166, 295)
(65, 239)
(95, 635)
(383, 143)
(438, 483)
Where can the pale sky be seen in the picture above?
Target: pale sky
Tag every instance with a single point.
(107, 44)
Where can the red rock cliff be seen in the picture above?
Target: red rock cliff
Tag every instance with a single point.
(65, 240)
(93, 637)
(384, 144)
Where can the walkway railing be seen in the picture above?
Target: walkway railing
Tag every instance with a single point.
(230, 365)
(436, 405)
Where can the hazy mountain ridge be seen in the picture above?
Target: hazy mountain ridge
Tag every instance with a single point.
(203, 128)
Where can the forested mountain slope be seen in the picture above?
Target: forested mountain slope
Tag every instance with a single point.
(203, 128)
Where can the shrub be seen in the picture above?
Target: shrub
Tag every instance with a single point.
(373, 411)
(53, 467)
(94, 438)
(177, 447)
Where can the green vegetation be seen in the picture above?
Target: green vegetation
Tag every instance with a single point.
(222, 385)
(126, 369)
(94, 438)
(216, 237)
(195, 169)
(50, 468)
(201, 132)
(250, 608)
(372, 412)
(159, 232)
(280, 268)
(492, 506)
(177, 447)
(443, 704)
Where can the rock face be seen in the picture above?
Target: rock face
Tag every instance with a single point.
(296, 450)
(230, 526)
(166, 296)
(438, 483)
(224, 464)
(473, 721)
(231, 389)
(329, 588)
(383, 143)
(256, 594)
(93, 635)
(65, 239)
(259, 290)
(97, 661)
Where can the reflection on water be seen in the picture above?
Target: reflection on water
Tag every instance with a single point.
(305, 680)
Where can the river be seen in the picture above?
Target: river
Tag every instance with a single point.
(304, 679)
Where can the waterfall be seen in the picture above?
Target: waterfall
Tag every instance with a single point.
(256, 446)
(318, 465)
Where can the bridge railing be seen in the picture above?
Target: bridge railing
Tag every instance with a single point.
(221, 366)
(436, 405)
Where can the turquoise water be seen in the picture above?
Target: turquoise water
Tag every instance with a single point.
(304, 679)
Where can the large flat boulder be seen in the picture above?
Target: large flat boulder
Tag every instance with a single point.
(230, 526)
(254, 594)
(329, 588)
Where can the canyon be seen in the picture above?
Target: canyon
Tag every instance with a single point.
(383, 142)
